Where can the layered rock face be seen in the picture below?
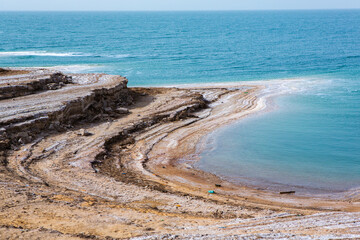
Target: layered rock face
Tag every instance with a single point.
(32, 85)
(33, 103)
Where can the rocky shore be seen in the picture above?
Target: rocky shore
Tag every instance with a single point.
(84, 156)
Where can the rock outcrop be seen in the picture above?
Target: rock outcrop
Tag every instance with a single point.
(35, 103)
(16, 89)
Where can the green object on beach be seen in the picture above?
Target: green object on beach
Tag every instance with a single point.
(211, 191)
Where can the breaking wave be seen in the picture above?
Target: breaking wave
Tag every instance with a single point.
(41, 53)
(55, 54)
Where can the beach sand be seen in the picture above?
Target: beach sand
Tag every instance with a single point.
(129, 172)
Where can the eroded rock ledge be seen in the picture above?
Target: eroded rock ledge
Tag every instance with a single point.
(55, 103)
(12, 89)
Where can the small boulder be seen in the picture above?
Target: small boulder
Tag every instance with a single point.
(3, 161)
(53, 86)
(122, 110)
(85, 133)
(108, 109)
(4, 144)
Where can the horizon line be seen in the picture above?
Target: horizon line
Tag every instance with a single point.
(195, 10)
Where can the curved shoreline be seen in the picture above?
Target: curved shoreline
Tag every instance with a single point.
(208, 143)
(263, 96)
(286, 87)
(176, 149)
(117, 174)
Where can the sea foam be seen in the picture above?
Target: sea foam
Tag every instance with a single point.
(58, 54)
(41, 53)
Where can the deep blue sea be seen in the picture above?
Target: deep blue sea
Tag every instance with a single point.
(310, 139)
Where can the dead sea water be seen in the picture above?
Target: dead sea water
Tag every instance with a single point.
(310, 139)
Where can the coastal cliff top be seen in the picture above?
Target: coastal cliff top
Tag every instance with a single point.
(30, 95)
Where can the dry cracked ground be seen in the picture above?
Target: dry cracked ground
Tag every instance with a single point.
(84, 157)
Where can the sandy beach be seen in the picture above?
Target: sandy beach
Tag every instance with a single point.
(88, 157)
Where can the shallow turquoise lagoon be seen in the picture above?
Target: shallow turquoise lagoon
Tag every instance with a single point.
(308, 142)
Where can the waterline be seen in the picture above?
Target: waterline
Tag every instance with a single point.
(300, 146)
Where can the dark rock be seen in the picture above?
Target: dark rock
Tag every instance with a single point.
(53, 86)
(108, 109)
(287, 192)
(3, 161)
(4, 144)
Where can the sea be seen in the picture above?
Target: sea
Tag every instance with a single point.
(309, 140)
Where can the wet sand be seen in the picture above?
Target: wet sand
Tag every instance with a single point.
(126, 175)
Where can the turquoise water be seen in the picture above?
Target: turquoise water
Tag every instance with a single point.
(310, 142)
(311, 138)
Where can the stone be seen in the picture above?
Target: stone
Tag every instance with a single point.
(3, 134)
(3, 161)
(287, 192)
(122, 110)
(85, 133)
(4, 144)
(53, 86)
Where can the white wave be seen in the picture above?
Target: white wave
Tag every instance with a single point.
(41, 53)
(76, 68)
(122, 56)
(55, 54)
(300, 84)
